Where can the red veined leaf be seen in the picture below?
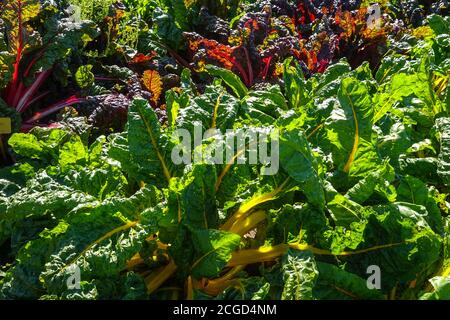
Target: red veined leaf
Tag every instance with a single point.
(153, 83)
(207, 51)
(143, 58)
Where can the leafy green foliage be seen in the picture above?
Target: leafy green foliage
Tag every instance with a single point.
(362, 142)
(300, 274)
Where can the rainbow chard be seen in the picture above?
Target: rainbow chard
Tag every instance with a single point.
(210, 51)
(33, 53)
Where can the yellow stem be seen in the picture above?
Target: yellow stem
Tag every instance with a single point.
(230, 164)
(155, 147)
(190, 289)
(355, 142)
(314, 131)
(446, 272)
(134, 261)
(393, 293)
(247, 224)
(216, 286)
(270, 253)
(157, 278)
(253, 202)
(216, 110)
(262, 254)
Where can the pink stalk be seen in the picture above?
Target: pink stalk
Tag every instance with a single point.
(27, 127)
(54, 108)
(19, 90)
(35, 59)
(13, 87)
(242, 72)
(29, 93)
(106, 79)
(37, 98)
(18, 93)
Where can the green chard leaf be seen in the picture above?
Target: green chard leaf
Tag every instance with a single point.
(214, 249)
(300, 274)
(334, 283)
(144, 149)
(297, 159)
(348, 130)
(443, 127)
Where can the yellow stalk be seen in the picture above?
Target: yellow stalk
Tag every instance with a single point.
(442, 87)
(216, 286)
(375, 248)
(247, 224)
(446, 272)
(356, 141)
(262, 254)
(314, 131)
(347, 293)
(162, 246)
(440, 84)
(216, 110)
(253, 202)
(134, 261)
(215, 290)
(230, 164)
(227, 168)
(270, 253)
(190, 289)
(157, 278)
(393, 293)
(179, 209)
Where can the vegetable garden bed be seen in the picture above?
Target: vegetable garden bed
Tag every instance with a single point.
(105, 189)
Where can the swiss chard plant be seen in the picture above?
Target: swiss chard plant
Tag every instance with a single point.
(361, 118)
(29, 54)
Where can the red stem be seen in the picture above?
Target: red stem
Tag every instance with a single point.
(12, 88)
(242, 72)
(266, 67)
(249, 67)
(35, 59)
(17, 95)
(29, 93)
(52, 109)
